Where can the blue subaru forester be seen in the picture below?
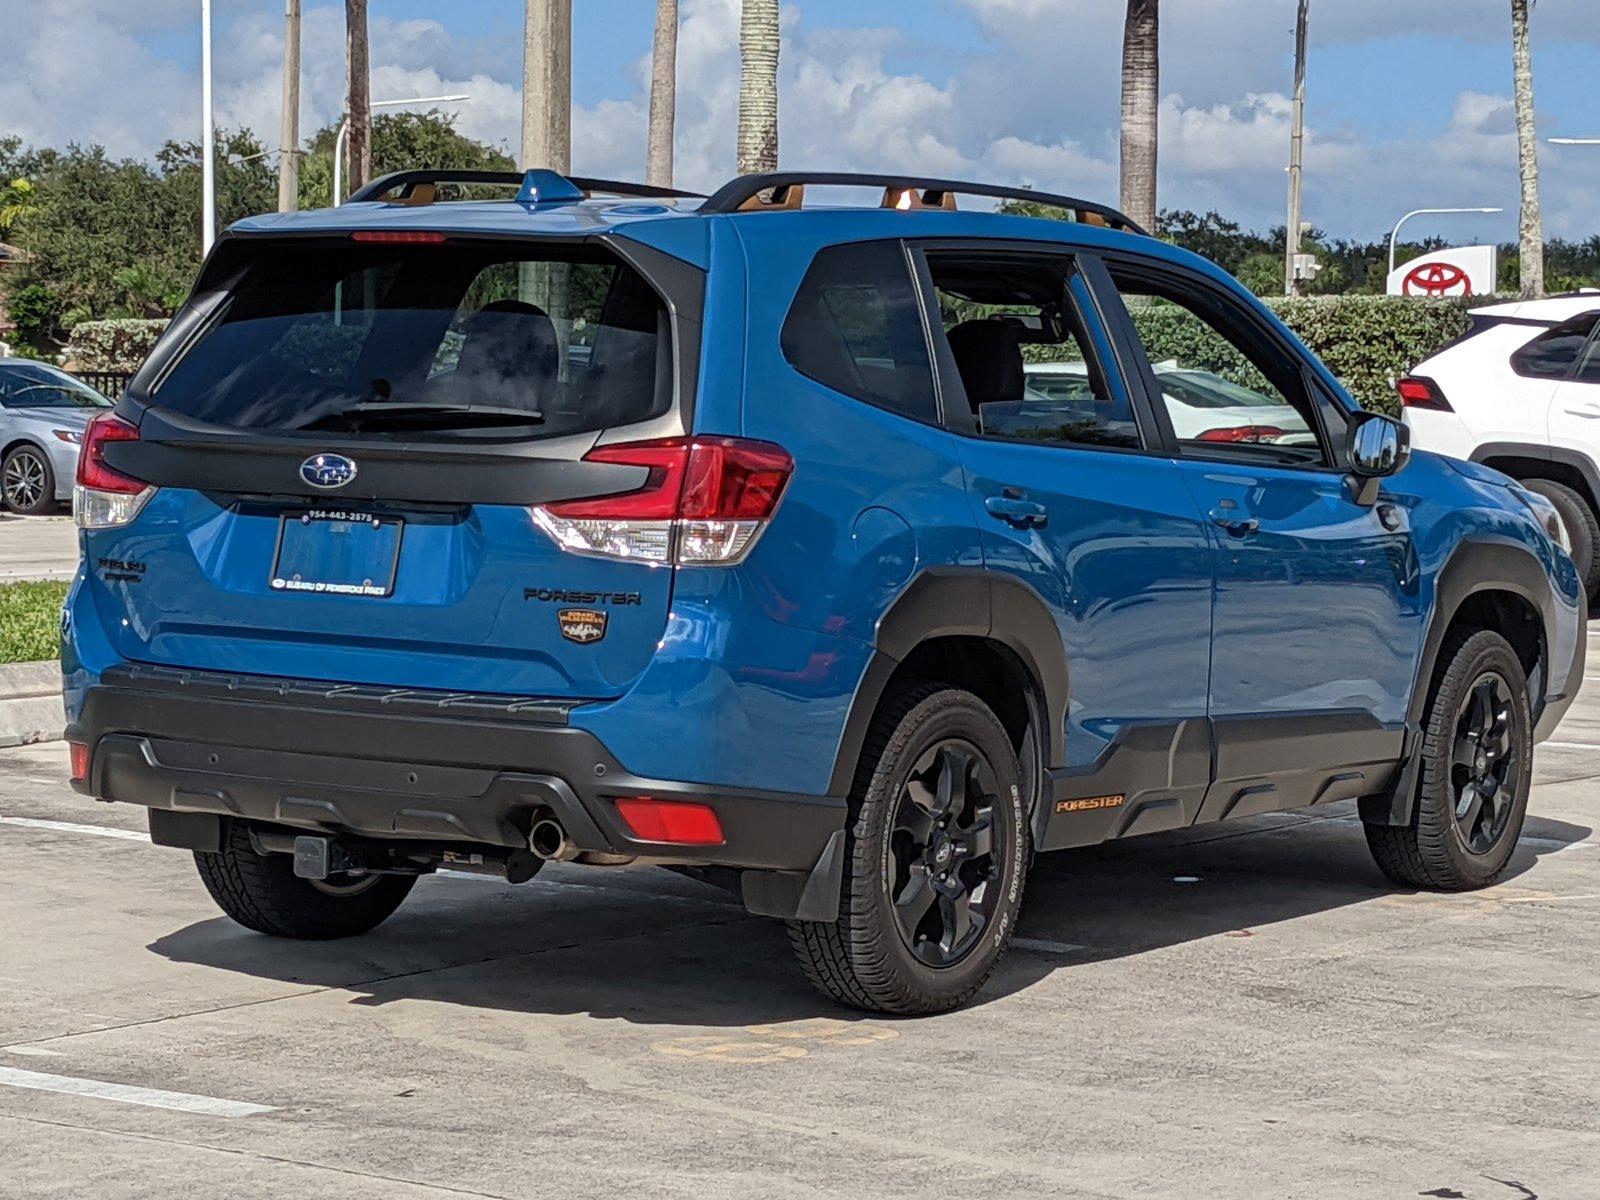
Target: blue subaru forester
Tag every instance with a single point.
(846, 556)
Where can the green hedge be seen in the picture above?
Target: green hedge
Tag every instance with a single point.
(120, 344)
(1367, 341)
(30, 621)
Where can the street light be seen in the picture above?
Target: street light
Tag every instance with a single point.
(208, 138)
(1417, 212)
(1571, 141)
(344, 133)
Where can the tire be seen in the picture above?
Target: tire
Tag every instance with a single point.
(28, 481)
(262, 892)
(973, 858)
(1583, 528)
(1440, 850)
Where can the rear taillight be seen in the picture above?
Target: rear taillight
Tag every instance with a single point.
(78, 753)
(1243, 433)
(105, 498)
(705, 500)
(1418, 391)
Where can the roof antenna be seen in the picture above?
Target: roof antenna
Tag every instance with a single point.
(540, 186)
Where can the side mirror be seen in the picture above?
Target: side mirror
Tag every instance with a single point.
(1378, 447)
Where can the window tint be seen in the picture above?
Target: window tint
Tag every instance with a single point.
(1018, 345)
(385, 338)
(1228, 391)
(1552, 353)
(855, 327)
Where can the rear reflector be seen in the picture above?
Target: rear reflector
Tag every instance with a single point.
(79, 752)
(1418, 391)
(400, 237)
(704, 500)
(678, 822)
(1243, 433)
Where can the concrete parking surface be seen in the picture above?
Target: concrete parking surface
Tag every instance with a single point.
(1241, 1011)
(37, 547)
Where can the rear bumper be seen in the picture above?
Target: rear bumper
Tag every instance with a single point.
(395, 764)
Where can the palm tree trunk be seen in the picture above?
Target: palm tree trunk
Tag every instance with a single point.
(1141, 97)
(547, 85)
(358, 105)
(1532, 250)
(758, 87)
(663, 95)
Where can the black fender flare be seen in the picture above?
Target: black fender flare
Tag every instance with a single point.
(961, 602)
(1472, 568)
(1576, 459)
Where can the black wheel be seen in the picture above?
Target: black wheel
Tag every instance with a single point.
(262, 892)
(1583, 529)
(27, 481)
(937, 855)
(1477, 767)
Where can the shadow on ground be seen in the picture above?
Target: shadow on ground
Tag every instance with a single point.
(654, 949)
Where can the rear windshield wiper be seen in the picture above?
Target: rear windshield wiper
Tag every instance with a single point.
(424, 416)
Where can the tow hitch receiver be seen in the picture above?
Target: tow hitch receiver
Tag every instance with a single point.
(319, 857)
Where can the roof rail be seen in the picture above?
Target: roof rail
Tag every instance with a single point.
(899, 191)
(420, 186)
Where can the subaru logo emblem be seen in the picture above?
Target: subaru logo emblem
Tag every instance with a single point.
(327, 471)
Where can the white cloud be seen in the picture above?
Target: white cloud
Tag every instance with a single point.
(1035, 102)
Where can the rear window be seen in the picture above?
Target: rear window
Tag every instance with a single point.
(1552, 353)
(359, 338)
(856, 327)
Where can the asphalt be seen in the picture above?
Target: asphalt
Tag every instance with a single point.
(37, 547)
(1243, 1011)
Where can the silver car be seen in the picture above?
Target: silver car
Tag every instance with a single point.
(43, 411)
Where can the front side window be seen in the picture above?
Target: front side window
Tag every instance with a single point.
(421, 338)
(1019, 348)
(1552, 354)
(1228, 391)
(855, 327)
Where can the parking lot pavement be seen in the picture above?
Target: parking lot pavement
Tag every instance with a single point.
(37, 547)
(1242, 1011)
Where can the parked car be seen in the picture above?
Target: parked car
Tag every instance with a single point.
(1201, 405)
(43, 412)
(381, 578)
(1521, 393)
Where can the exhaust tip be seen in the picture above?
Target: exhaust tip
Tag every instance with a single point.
(549, 841)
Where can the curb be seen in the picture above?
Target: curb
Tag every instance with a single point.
(30, 703)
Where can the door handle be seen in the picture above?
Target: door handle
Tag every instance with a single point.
(1591, 411)
(1230, 520)
(1014, 509)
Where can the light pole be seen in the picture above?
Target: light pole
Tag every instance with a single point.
(208, 138)
(344, 132)
(1571, 141)
(1417, 212)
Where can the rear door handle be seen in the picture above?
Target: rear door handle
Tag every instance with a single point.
(1015, 509)
(1230, 520)
(1590, 410)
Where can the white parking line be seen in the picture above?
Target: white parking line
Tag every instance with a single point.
(131, 835)
(205, 1106)
(1573, 745)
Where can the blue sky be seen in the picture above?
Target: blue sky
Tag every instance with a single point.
(1408, 104)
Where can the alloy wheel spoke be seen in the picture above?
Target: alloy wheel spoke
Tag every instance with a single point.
(955, 913)
(954, 767)
(977, 839)
(1469, 808)
(914, 900)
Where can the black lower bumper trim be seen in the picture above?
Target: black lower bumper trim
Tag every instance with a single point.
(416, 770)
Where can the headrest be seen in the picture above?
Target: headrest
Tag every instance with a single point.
(510, 341)
(988, 354)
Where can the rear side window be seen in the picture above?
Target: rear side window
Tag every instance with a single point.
(856, 327)
(1552, 353)
(382, 338)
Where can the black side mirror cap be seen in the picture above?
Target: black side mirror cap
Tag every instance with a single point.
(1377, 448)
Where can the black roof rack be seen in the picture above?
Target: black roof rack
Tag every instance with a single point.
(899, 191)
(409, 183)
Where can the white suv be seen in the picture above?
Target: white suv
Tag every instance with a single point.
(1521, 393)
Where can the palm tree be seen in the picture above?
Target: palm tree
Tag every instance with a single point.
(758, 87)
(1141, 96)
(1532, 251)
(358, 105)
(663, 95)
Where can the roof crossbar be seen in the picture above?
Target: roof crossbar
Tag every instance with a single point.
(410, 185)
(900, 191)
